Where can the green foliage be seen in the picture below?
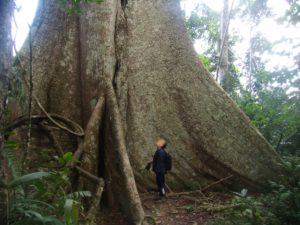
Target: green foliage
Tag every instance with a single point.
(26, 179)
(71, 212)
(40, 197)
(280, 206)
(207, 63)
(284, 200)
(245, 210)
(273, 112)
(21, 208)
(204, 24)
(233, 75)
(74, 6)
(253, 10)
(271, 98)
(292, 15)
(9, 152)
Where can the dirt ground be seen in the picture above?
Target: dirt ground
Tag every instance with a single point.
(175, 209)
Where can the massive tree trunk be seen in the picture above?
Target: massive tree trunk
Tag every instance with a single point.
(138, 55)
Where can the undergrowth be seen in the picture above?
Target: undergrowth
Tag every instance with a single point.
(42, 197)
(279, 206)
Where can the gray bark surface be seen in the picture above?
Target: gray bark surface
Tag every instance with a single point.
(165, 91)
(81, 51)
(6, 10)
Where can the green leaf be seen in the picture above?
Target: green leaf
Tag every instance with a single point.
(284, 196)
(79, 194)
(31, 213)
(71, 212)
(10, 144)
(35, 202)
(52, 220)
(68, 156)
(27, 179)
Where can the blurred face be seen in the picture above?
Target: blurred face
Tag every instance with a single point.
(161, 143)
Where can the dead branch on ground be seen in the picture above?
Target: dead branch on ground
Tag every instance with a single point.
(201, 190)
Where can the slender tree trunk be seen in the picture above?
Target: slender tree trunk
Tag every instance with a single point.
(223, 46)
(250, 61)
(6, 11)
(5, 56)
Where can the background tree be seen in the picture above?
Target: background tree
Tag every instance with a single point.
(222, 69)
(267, 96)
(6, 10)
(270, 102)
(205, 26)
(292, 14)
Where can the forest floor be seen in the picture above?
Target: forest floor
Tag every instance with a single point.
(175, 209)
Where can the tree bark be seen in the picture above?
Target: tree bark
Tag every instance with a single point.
(6, 12)
(223, 47)
(139, 54)
(85, 53)
(163, 90)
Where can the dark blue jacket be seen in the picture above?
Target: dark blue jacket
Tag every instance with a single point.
(159, 161)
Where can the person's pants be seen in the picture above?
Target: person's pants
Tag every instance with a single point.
(160, 180)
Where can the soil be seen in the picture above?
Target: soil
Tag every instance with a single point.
(175, 209)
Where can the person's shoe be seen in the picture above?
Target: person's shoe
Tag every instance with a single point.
(162, 197)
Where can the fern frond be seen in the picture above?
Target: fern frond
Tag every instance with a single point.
(25, 179)
(79, 194)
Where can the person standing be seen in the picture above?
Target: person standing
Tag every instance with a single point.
(160, 165)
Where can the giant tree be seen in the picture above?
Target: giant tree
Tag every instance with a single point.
(128, 73)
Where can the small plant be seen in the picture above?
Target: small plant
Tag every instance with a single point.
(22, 209)
(245, 210)
(40, 197)
(284, 200)
(281, 206)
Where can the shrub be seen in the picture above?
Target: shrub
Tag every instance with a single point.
(280, 206)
